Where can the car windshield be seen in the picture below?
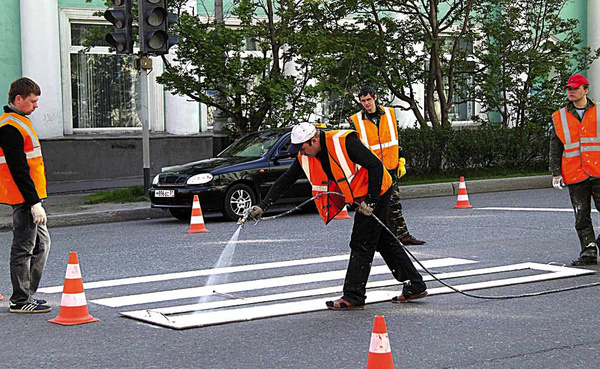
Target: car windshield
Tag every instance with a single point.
(253, 145)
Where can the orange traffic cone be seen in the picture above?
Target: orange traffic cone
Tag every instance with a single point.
(462, 202)
(73, 307)
(197, 221)
(343, 214)
(380, 352)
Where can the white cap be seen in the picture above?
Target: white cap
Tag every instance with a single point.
(300, 134)
(303, 132)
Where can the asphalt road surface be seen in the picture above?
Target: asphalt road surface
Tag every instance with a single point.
(152, 268)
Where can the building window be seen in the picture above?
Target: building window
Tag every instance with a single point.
(101, 91)
(105, 88)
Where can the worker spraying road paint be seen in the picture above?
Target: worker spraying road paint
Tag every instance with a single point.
(336, 161)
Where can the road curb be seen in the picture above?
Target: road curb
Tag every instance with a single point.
(96, 217)
(476, 186)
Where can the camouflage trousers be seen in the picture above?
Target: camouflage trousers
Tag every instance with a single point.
(581, 195)
(395, 217)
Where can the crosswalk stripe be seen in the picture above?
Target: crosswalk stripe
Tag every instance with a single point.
(325, 291)
(254, 284)
(201, 273)
(206, 318)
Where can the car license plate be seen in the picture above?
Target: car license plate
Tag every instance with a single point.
(164, 193)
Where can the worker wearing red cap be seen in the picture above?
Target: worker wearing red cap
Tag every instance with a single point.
(575, 161)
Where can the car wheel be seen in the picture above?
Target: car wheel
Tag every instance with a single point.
(238, 199)
(181, 214)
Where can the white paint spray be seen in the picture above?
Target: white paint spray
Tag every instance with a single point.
(223, 261)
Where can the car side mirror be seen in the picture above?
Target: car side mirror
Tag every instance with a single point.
(282, 155)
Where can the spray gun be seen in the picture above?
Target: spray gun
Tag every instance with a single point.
(246, 215)
(243, 218)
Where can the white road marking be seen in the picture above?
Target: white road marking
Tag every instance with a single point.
(206, 318)
(254, 241)
(324, 291)
(201, 273)
(529, 209)
(255, 284)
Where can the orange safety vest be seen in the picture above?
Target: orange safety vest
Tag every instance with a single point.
(581, 140)
(9, 192)
(352, 180)
(383, 141)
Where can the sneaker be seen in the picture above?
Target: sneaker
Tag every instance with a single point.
(39, 301)
(29, 308)
(410, 240)
(584, 260)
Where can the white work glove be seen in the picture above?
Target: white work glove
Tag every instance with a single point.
(557, 182)
(255, 212)
(365, 209)
(39, 214)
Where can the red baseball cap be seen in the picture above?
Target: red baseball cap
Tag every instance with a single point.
(576, 80)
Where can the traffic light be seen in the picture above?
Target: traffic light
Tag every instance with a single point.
(154, 22)
(121, 39)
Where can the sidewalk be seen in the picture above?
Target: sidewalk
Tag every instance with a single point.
(68, 209)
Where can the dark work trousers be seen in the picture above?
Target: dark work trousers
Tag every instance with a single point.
(581, 194)
(28, 254)
(367, 237)
(396, 221)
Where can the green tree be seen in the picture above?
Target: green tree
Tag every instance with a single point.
(398, 46)
(253, 87)
(526, 52)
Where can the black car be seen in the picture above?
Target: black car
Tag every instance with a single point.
(231, 182)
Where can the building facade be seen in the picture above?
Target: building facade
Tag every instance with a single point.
(91, 127)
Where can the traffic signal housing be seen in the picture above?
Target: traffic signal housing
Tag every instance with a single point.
(122, 38)
(154, 22)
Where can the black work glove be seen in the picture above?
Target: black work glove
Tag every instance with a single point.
(255, 212)
(366, 208)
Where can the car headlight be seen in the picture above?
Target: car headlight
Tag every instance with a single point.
(155, 180)
(199, 179)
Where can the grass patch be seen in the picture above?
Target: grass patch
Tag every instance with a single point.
(123, 195)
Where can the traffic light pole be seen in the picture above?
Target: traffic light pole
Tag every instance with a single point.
(143, 64)
(154, 38)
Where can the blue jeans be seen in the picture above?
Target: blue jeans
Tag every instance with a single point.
(28, 254)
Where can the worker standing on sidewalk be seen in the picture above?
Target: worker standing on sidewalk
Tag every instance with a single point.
(575, 161)
(378, 130)
(336, 161)
(23, 186)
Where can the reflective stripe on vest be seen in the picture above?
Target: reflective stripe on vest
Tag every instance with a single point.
(387, 151)
(581, 154)
(351, 179)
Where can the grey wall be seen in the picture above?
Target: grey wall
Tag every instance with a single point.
(93, 157)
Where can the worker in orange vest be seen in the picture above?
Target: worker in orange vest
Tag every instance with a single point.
(575, 161)
(378, 130)
(23, 186)
(336, 161)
